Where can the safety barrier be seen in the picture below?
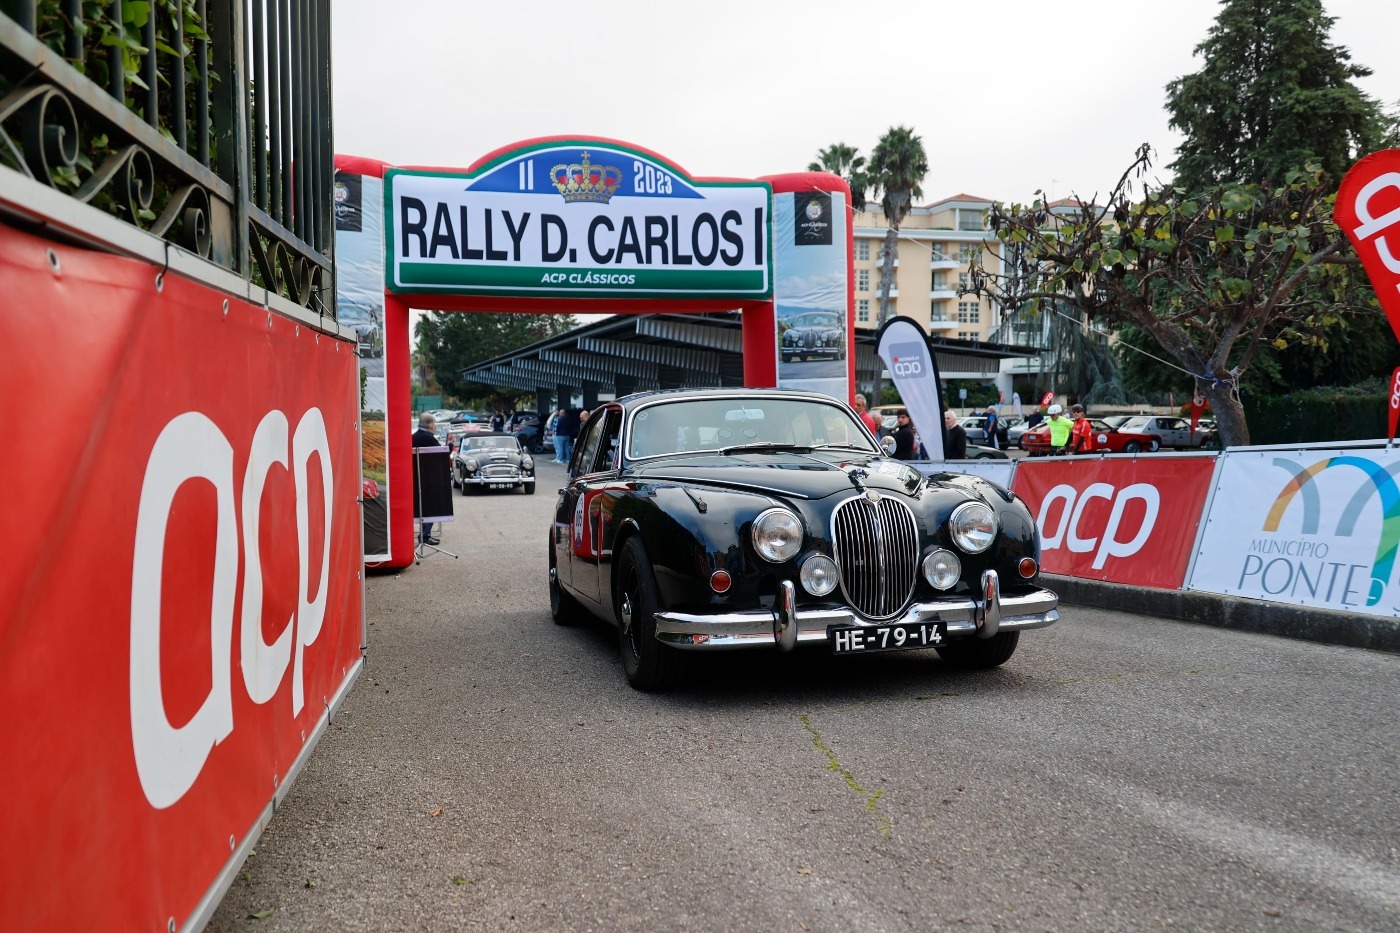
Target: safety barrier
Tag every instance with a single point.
(182, 595)
(1310, 525)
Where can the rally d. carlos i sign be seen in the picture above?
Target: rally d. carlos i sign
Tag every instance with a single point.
(577, 219)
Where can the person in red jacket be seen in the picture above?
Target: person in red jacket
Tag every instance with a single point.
(1081, 435)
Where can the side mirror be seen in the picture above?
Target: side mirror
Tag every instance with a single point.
(888, 445)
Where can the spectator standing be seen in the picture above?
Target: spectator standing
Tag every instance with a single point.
(498, 421)
(866, 418)
(1060, 429)
(565, 430)
(956, 448)
(1081, 433)
(425, 437)
(903, 436)
(989, 425)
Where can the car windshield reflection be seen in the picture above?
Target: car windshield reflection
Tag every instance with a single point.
(485, 443)
(710, 425)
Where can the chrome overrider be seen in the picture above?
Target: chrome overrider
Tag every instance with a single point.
(787, 626)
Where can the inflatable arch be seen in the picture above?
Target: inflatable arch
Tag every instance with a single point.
(576, 224)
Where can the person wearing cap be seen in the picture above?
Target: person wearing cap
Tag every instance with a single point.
(904, 436)
(1059, 430)
(1081, 432)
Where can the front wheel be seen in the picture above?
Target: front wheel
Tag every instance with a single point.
(529, 489)
(980, 654)
(1132, 447)
(648, 663)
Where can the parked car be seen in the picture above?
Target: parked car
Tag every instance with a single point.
(981, 452)
(814, 334)
(977, 434)
(1036, 441)
(527, 431)
(1174, 432)
(705, 520)
(492, 461)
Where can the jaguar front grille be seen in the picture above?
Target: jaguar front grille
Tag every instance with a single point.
(876, 546)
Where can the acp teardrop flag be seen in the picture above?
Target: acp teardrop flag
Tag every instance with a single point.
(1368, 211)
(903, 345)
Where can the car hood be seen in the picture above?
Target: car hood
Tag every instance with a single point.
(803, 476)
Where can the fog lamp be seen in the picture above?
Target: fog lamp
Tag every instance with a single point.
(942, 569)
(818, 575)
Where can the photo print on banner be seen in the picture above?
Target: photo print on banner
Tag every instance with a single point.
(810, 292)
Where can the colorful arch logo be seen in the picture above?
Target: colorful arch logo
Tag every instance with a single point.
(1380, 482)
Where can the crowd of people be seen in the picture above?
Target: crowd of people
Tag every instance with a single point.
(1069, 434)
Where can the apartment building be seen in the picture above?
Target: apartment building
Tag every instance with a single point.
(936, 244)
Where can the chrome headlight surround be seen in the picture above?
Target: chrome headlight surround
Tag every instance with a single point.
(973, 526)
(819, 575)
(470, 465)
(526, 463)
(942, 569)
(776, 535)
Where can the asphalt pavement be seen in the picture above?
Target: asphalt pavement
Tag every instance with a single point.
(491, 770)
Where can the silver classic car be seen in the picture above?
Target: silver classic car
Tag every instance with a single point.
(702, 520)
(492, 461)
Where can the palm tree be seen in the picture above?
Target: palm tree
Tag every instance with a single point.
(897, 166)
(846, 161)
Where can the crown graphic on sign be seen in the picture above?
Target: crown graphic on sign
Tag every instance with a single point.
(584, 181)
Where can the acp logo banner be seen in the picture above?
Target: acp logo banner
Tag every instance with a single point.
(1121, 520)
(585, 219)
(1315, 528)
(1368, 211)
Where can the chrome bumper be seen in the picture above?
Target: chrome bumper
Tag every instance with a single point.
(787, 626)
(488, 480)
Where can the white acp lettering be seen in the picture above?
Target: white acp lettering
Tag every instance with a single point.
(1370, 226)
(1061, 493)
(1094, 491)
(310, 438)
(263, 665)
(1112, 547)
(169, 758)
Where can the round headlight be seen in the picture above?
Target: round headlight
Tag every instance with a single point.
(942, 569)
(526, 463)
(974, 527)
(777, 535)
(818, 575)
(469, 465)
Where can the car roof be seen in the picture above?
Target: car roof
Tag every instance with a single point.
(639, 398)
(491, 434)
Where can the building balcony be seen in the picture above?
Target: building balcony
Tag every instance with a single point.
(943, 263)
(943, 294)
(942, 325)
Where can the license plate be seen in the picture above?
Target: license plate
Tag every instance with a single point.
(500, 485)
(856, 639)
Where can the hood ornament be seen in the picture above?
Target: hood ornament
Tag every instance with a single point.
(872, 495)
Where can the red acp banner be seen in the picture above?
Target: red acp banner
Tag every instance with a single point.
(181, 595)
(1368, 211)
(1117, 519)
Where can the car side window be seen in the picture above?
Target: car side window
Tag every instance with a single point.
(586, 451)
(608, 446)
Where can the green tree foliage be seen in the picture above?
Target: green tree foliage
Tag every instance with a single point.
(846, 161)
(1212, 277)
(897, 169)
(453, 341)
(1273, 94)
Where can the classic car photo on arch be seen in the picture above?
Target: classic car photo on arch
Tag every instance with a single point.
(706, 520)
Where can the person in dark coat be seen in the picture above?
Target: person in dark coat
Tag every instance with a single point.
(903, 436)
(424, 437)
(956, 447)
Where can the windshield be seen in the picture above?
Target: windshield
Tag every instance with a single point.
(485, 443)
(721, 423)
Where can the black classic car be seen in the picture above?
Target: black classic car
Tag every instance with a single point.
(492, 461)
(698, 520)
(814, 334)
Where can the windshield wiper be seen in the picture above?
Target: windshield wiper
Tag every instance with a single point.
(864, 450)
(766, 445)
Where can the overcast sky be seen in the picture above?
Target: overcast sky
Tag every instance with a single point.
(1008, 95)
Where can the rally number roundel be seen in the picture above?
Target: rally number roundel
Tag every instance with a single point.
(1103, 439)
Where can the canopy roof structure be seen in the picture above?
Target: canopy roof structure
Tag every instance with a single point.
(637, 352)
